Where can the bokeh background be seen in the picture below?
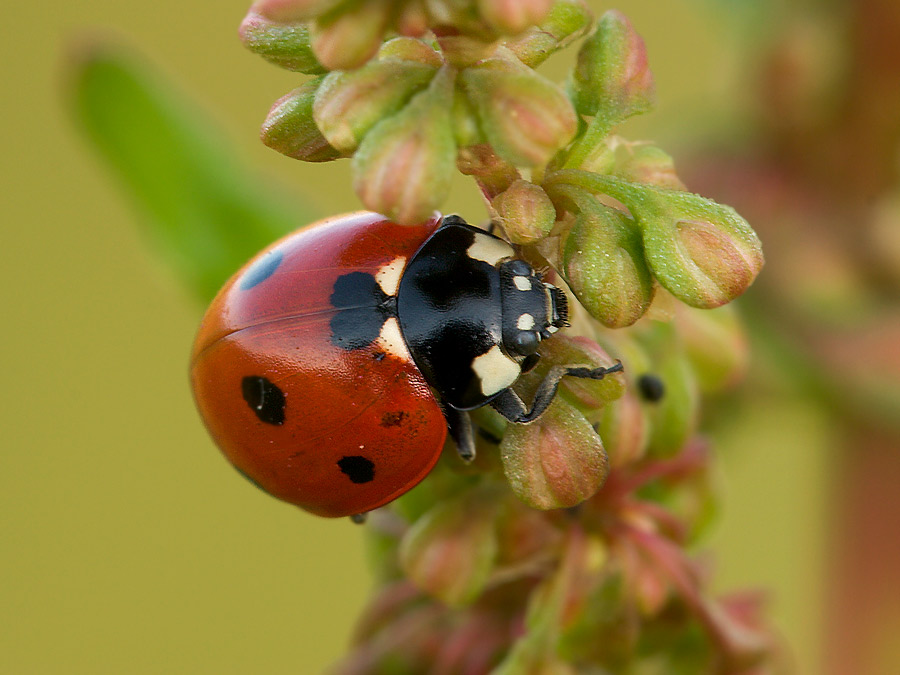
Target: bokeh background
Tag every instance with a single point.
(128, 546)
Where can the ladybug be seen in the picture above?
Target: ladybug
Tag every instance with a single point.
(330, 369)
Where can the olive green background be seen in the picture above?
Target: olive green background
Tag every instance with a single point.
(127, 545)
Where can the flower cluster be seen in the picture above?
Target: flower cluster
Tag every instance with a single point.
(561, 547)
(345, 34)
(477, 578)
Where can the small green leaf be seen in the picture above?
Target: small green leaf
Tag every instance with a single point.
(204, 211)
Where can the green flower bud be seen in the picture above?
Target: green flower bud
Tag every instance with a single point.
(625, 431)
(291, 11)
(285, 45)
(349, 104)
(291, 130)
(645, 163)
(524, 116)
(703, 253)
(525, 212)
(511, 17)
(405, 164)
(612, 78)
(450, 551)
(602, 260)
(716, 345)
(568, 20)
(557, 461)
(351, 35)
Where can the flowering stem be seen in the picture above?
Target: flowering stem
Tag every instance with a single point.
(597, 130)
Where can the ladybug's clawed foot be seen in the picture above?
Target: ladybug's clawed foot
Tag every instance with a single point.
(595, 373)
(359, 518)
(508, 403)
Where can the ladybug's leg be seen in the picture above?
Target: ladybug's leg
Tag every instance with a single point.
(359, 518)
(460, 428)
(513, 408)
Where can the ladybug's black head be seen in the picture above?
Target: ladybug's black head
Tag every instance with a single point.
(532, 310)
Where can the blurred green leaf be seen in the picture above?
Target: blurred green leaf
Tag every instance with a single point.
(205, 211)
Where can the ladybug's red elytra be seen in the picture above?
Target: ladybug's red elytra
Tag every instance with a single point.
(331, 367)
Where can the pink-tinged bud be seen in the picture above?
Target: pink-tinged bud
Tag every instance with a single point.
(410, 49)
(347, 38)
(575, 350)
(703, 253)
(612, 77)
(716, 345)
(349, 104)
(557, 461)
(602, 260)
(450, 551)
(568, 20)
(290, 11)
(624, 428)
(524, 116)
(405, 164)
(673, 418)
(412, 21)
(643, 163)
(285, 45)
(525, 212)
(511, 17)
(291, 130)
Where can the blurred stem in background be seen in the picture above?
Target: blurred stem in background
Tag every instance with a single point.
(820, 176)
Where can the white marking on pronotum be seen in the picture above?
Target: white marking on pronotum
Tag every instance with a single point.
(489, 249)
(388, 277)
(495, 371)
(522, 283)
(391, 339)
(552, 329)
(525, 322)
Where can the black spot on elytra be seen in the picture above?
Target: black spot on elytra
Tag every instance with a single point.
(364, 309)
(394, 419)
(358, 469)
(261, 270)
(651, 388)
(264, 398)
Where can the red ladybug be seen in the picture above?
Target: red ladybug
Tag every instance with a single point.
(330, 368)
